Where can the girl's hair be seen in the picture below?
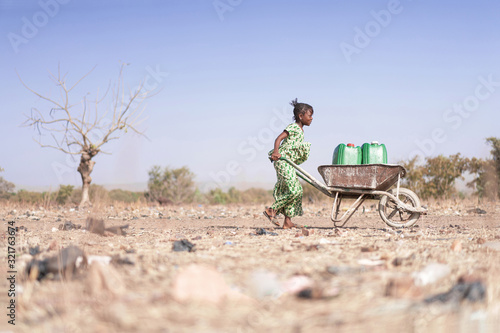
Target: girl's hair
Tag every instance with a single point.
(300, 108)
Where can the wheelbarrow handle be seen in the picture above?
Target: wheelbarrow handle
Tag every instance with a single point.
(307, 177)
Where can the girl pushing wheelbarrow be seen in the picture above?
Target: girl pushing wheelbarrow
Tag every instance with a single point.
(289, 144)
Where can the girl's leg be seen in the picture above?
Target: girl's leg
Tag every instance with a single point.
(287, 191)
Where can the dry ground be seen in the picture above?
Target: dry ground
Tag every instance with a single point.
(360, 278)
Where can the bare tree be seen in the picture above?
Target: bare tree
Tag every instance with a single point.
(82, 127)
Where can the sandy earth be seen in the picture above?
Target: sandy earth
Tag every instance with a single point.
(359, 278)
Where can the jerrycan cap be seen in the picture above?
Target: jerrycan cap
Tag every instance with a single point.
(350, 145)
(375, 143)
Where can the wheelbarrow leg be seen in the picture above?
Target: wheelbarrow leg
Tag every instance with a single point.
(347, 215)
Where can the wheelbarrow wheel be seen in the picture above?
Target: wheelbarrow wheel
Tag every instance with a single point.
(395, 216)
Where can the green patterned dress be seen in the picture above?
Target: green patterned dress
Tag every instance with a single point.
(288, 191)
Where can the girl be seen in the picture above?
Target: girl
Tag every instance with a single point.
(288, 191)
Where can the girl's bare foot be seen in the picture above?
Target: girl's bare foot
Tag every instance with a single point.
(288, 223)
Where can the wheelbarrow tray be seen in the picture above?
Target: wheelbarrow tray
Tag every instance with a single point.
(378, 177)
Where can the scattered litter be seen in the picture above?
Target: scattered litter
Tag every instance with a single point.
(472, 290)
(62, 265)
(34, 250)
(21, 228)
(318, 292)
(345, 270)
(228, 243)
(262, 231)
(431, 273)
(183, 245)
(476, 211)
(69, 226)
(103, 260)
(54, 229)
(116, 259)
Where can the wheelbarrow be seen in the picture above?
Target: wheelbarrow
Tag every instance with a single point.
(398, 207)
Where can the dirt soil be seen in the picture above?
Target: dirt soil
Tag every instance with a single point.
(364, 277)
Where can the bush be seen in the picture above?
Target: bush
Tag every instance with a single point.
(64, 194)
(171, 185)
(125, 196)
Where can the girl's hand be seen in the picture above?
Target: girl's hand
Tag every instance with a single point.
(275, 156)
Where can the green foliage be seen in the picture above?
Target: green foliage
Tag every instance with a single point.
(486, 175)
(64, 194)
(233, 196)
(174, 185)
(96, 193)
(217, 196)
(28, 197)
(125, 196)
(6, 187)
(436, 177)
(495, 152)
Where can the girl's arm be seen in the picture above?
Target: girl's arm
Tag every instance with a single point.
(276, 154)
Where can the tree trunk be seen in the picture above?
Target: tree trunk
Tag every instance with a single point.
(85, 169)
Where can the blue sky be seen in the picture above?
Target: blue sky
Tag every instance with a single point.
(422, 77)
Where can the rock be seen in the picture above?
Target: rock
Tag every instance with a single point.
(118, 230)
(477, 211)
(103, 260)
(456, 246)
(297, 283)
(431, 273)
(371, 248)
(69, 226)
(345, 270)
(319, 292)
(402, 287)
(262, 231)
(95, 225)
(264, 284)
(183, 245)
(492, 245)
(53, 245)
(307, 232)
(203, 284)
(34, 250)
(104, 278)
